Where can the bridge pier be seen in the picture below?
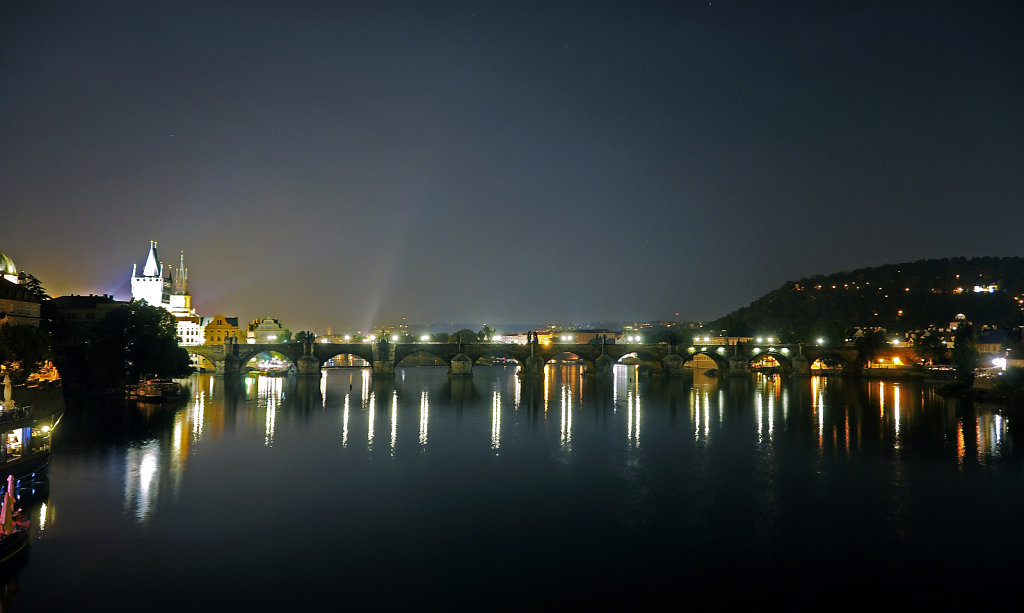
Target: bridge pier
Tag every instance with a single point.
(383, 368)
(801, 365)
(383, 359)
(738, 366)
(672, 365)
(307, 365)
(533, 366)
(604, 364)
(228, 366)
(461, 366)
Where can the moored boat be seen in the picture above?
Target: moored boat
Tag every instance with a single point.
(154, 390)
(14, 527)
(25, 433)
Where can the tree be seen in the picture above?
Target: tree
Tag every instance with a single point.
(439, 337)
(929, 347)
(735, 325)
(135, 340)
(964, 354)
(485, 333)
(871, 344)
(833, 332)
(34, 287)
(23, 349)
(464, 335)
(285, 336)
(672, 337)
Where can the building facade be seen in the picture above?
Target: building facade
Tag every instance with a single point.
(266, 330)
(18, 306)
(219, 328)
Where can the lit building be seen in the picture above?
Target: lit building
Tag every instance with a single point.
(8, 270)
(18, 306)
(266, 330)
(219, 328)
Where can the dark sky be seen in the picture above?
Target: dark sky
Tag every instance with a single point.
(346, 164)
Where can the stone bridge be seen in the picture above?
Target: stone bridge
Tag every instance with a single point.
(597, 358)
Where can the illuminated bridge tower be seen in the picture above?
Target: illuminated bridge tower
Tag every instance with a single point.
(152, 286)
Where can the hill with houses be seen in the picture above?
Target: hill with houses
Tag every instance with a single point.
(904, 297)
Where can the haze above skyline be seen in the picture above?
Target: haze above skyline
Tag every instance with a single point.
(339, 164)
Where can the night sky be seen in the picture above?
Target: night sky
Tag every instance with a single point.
(339, 164)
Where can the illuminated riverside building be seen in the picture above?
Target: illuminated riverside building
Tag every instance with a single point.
(266, 330)
(8, 271)
(152, 285)
(17, 305)
(220, 328)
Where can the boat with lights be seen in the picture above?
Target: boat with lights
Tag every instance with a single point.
(25, 432)
(25, 443)
(154, 390)
(14, 527)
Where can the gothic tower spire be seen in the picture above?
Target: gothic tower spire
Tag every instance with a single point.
(181, 277)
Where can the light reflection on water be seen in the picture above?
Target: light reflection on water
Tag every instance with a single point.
(141, 480)
(788, 465)
(564, 387)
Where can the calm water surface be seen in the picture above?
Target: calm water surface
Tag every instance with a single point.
(427, 493)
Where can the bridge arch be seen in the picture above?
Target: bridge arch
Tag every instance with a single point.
(649, 361)
(572, 357)
(199, 362)
(345, 360)
(411, 357)
(499, 352)
(268, 361)
(826, 364)
(770, 358)
(717, 355)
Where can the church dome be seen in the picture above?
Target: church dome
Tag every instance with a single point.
(7, 268)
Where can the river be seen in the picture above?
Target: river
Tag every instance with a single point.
(491, 493)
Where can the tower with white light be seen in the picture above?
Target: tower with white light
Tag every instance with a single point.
(151, 286)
